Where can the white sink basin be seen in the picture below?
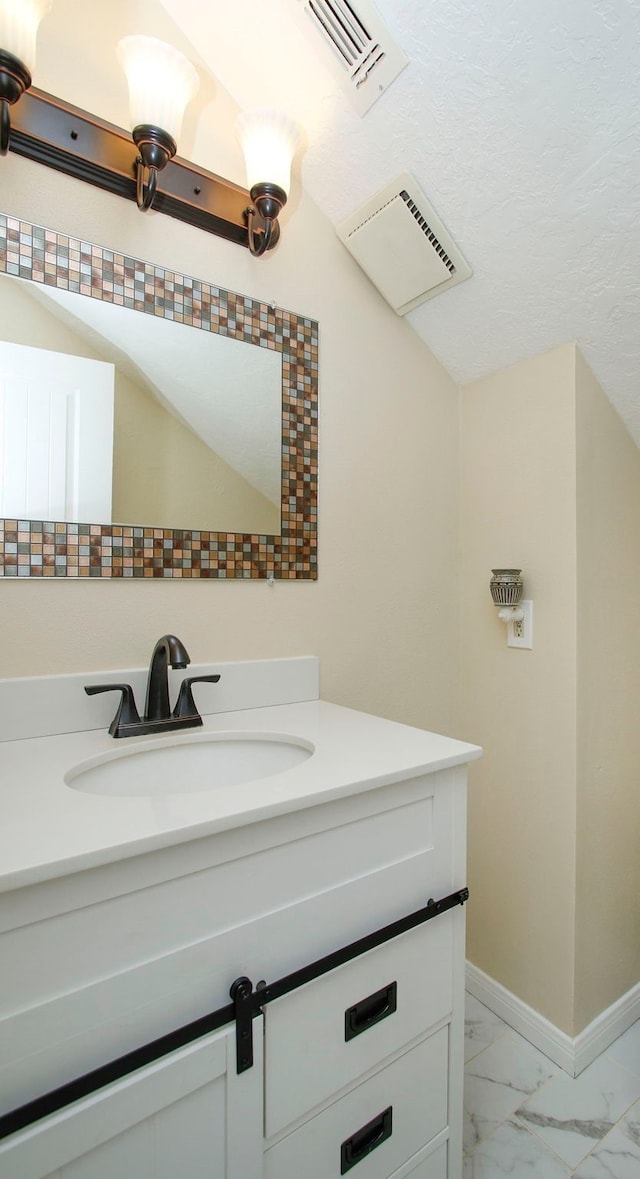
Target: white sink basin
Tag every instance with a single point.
(188, 764)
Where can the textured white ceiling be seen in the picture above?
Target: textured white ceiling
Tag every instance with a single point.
(521, 122)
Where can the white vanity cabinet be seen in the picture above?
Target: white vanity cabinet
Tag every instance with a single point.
(357, 1070)
(136, 949)
(188, 1114)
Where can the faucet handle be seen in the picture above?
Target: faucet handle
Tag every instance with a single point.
(127, 713)
(185, 704)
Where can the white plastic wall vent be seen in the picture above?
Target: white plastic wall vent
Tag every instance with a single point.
(361, 50)
(402, 246)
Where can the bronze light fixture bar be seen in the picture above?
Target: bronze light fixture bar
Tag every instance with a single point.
(15, 78)
(63, 137)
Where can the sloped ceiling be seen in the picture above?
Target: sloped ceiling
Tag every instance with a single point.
(521, 123)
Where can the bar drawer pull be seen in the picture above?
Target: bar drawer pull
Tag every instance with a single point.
(360, 1144)
(369, 1011)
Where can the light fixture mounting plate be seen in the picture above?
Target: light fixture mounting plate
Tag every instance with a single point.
(52, 132)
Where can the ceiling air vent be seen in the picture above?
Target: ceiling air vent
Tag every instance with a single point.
(361, 49)
(402, 245)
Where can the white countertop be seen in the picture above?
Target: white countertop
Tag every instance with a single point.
(48, 829)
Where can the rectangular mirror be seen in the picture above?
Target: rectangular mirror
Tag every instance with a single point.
(131, 393)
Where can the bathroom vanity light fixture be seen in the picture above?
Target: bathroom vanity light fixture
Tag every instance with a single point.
(161, 83)
(269, 141)
(19, 22)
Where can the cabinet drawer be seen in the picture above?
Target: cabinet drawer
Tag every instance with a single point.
(413, 1088)
(430, 1165)
(325, 1035)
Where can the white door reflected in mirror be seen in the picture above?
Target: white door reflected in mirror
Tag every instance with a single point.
(56, 435)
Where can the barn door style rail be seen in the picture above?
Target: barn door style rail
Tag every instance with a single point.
(246, 1004)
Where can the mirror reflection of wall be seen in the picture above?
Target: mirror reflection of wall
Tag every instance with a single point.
(197, 416)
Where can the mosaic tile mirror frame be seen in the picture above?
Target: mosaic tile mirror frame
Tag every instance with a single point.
(37, 548)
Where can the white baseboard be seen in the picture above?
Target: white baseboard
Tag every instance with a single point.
(606, 1027)
(573, 1054)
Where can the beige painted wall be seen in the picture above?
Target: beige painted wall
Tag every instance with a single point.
(550, 482)
(608, 821)
(549, 917)
(517, 464)
(383, 614)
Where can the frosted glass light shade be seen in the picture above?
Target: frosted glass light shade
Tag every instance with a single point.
(161, 83)
(269, 141)
(19, 22)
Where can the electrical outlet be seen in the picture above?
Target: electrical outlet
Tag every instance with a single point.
(520, 634)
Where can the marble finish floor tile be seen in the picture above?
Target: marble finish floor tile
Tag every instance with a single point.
(618, 1155)
(513, 1151)
(571, 1116)
(582, 1128)
(626, 1049)
(496, 1083)
(481, 1027)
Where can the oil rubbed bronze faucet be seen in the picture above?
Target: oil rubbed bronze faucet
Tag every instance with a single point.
(168, 650)
(158, 717)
